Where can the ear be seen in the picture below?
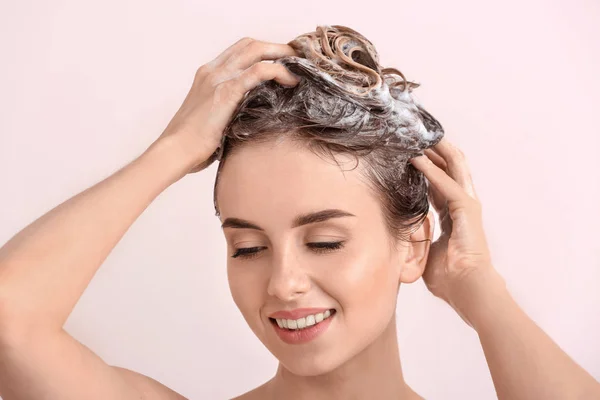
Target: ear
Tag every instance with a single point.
(414, 259)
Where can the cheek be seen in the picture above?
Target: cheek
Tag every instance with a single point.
(362, 280)
(246, 289)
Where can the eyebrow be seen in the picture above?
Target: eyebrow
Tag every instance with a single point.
(300, 220)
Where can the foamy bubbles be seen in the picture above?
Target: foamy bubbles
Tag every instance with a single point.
(343, 86)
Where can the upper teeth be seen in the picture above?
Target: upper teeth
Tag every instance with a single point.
(300, 323)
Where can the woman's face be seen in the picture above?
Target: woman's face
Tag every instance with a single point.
(263, 189)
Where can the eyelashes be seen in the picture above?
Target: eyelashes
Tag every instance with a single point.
(317, 247)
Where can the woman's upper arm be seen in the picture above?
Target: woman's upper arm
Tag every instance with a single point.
(148, 388)
(55, 366)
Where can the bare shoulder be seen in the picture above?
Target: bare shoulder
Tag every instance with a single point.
(148, 388)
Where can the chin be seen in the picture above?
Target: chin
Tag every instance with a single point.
(317, 360)
(310, 364)
(324, 356)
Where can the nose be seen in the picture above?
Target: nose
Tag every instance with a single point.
(288, 280)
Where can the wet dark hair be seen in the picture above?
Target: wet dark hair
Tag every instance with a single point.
(345, 103)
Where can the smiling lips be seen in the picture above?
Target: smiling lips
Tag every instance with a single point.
(301, 325)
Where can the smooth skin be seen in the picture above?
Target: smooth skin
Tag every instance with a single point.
(45, 268)
(358, 356)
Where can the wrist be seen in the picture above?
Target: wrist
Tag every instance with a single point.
(168, 159)
(176, 156)
(475, 296)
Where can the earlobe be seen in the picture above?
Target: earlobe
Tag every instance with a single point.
(418, 250)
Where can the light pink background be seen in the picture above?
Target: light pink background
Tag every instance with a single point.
(87, 86)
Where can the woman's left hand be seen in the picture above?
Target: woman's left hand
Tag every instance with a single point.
(460, 257)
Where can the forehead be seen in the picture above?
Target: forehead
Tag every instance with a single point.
(275, 181)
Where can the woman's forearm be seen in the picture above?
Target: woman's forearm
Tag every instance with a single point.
(525, 363)
(45, 267)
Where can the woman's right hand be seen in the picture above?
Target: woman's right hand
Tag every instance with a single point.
(218, 87)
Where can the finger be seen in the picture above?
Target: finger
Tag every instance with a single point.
(260, 72)
(438, 201)
(244, 57)
(437, 159)
(436, 198)
(454, 193)
(221, 58)
(457, 166)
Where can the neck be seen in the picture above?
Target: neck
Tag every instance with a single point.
(375, 373)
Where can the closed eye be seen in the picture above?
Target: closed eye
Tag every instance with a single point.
(317, 247)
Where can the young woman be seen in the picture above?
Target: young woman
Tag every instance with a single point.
(324, 205)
